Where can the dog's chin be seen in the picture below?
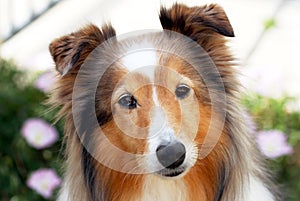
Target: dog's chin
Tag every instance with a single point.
(167, 173)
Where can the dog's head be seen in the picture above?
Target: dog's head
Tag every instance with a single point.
(152, 102)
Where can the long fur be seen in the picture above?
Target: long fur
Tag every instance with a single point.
(226, 174)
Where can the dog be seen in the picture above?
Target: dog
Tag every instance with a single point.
(155, 115)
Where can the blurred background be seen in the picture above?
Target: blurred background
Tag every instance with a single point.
(266, 44)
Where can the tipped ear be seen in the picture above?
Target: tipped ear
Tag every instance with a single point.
(70, 51)
(194, 21)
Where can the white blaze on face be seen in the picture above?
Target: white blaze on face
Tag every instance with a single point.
(142, 58)
(159, 129)
(159, 132)
(154, 97)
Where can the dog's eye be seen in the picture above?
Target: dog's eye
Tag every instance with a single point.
(182, 91)
(127, 101)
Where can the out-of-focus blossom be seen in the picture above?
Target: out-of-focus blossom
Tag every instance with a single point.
(44, 181)
(273, 143)
(45, 81)
(38, 133)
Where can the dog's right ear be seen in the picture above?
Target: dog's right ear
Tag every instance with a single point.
(203, 24)
(70, 51)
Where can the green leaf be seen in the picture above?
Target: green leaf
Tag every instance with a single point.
(269, 23)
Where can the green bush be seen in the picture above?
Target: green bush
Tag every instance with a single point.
(274, 114)
(19, 101)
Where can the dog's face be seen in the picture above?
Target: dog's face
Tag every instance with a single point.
(153, 101)
(155, 105)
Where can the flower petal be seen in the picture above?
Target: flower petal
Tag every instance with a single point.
(44, 181)
(38, 133)
(273, 143)
(45, 81)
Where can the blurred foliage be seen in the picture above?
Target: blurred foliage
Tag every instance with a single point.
(19, 100)
(271, 114)
(269, 23)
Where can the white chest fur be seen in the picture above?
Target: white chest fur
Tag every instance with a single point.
(256, 191)
(157, 189)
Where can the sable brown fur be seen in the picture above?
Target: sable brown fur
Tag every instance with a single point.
(192, 21)
(70, 51)
(222, 176)
(207, 25)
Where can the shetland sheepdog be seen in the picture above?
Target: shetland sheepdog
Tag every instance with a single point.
(154, 115)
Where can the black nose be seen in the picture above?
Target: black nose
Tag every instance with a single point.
(171, 155)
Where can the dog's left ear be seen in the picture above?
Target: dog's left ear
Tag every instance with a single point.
(196, 22)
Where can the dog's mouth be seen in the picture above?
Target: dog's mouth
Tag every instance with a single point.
(171, 173)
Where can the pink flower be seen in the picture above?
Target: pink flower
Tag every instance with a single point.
(45, 81)
(38, 133)
(273, 143)
(44, 181)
